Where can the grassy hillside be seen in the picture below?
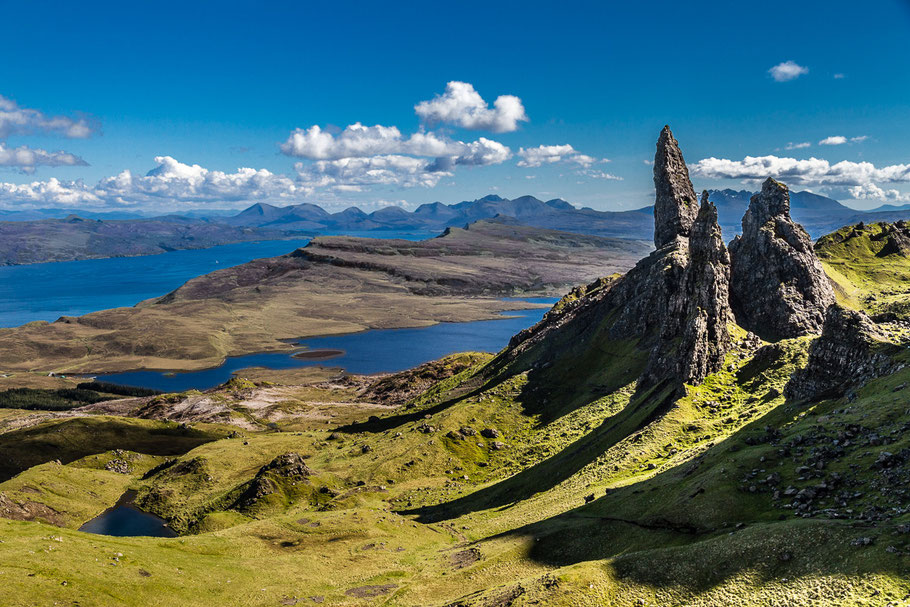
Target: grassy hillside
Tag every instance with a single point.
(543, 476)
(869, 266)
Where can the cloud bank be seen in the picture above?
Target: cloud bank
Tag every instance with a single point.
(860, 177)
(170, 185)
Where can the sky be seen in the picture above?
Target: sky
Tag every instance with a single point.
(175, 106)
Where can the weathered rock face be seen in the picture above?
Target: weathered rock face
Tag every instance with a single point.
(848, 353)
(706, 339)
(694, 337)
(778, 288)
(674, 303)
(675, 206)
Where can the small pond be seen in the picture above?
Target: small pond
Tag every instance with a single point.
(125, 520)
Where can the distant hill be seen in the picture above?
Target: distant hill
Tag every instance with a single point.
(818, 214)
(74, 237)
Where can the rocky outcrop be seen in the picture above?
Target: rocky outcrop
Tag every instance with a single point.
(848, 353)
(897, 239)
(694, 337)
(673, 304)
(675, 205)
(290, 466)
(778, 288)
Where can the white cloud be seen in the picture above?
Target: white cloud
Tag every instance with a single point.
(861, 178)
(815, 171)
(361, 155)
(798, 146)
(595, 174)
(170, 185)
(788, 70)
(352, 174)
(355, 140)
(26, 159)
(870, 191)
(841, 140)
(15, 120)
(462, 106)
(839, 76)
(551, 154)
(833, 140)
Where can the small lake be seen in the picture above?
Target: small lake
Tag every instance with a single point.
(125, 520)
(377, 351)
(47, 291)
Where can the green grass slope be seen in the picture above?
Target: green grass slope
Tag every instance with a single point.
(542, 476)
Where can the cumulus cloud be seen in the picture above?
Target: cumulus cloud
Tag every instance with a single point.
(463, 106)
(15, 120)
(813, 171)
(361, 155)
(359, 141)
(870, 191)
(352, 174)
(26, 159)
(551, 154)
(798, 146)
(860, 178)
(171, 184)
(788, 70)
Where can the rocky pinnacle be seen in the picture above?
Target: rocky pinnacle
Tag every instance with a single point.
(778, 288)
(675, 205)
(694, 337)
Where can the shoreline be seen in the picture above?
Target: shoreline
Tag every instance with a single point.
(293, 343)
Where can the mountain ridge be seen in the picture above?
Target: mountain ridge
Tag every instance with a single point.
(818, 214)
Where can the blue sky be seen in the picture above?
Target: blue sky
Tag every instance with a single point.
(90, 90)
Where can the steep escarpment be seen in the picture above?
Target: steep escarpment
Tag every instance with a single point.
(778, 288)
(869, 264)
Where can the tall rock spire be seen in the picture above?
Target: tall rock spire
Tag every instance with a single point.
(778, 288)
(694, 338)
(675, 205)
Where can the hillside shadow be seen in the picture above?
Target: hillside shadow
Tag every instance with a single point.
(646, 530)
(643, 408)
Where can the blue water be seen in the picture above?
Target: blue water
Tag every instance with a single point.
(127, 521)
(386, 350)
(47, 291)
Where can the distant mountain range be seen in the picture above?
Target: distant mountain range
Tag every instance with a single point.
(29, 236)
(818, 214)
